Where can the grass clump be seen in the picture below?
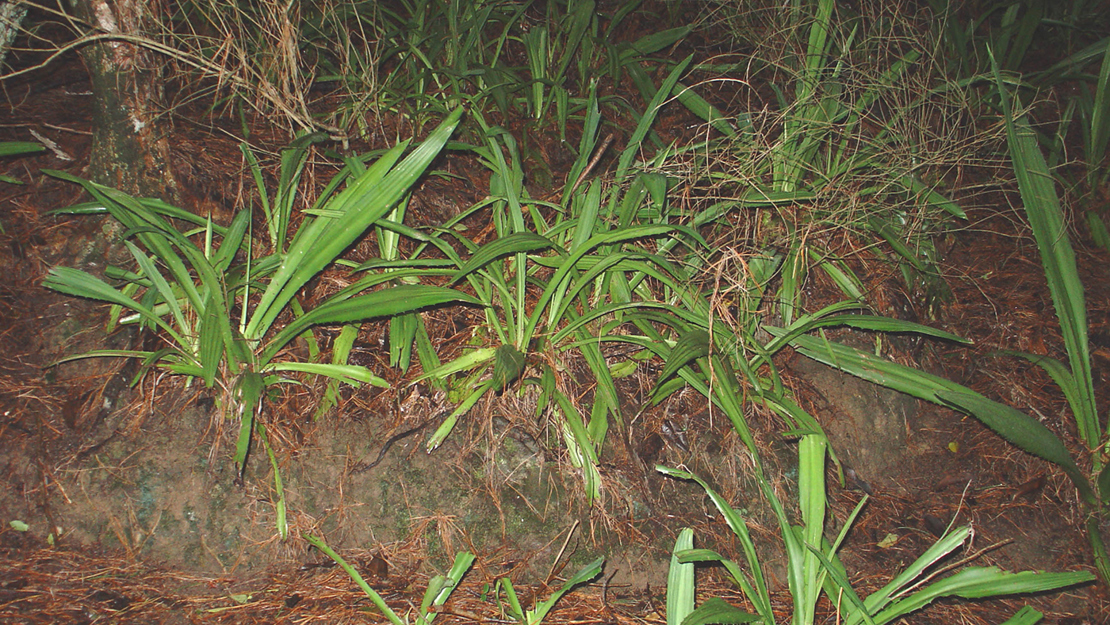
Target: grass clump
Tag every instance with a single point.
(217, 305)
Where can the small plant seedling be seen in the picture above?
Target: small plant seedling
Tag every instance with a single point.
(536, 615)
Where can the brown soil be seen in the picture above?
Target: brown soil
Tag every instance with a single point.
(72, 433)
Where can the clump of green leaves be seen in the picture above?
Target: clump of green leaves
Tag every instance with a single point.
(813, 566)
(536, 615)
(843, 146)
(216, 306)
(1075, 378)
(550, 280)
(438, 592)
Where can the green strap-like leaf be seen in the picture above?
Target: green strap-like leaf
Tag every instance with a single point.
(469, 360)
(1042, 207)
(14, 148)
(585, 574)
(812, 503)
(979, 582)
(78, 283)
(519, 242)
(233, 239)
(1059, 373)
(580, 446)
(756, 590)
(158, 281)
(211, 347)
(717, 610)
(1013, 425)
(1025, 616)
(680, 581)
(551, 299)
(367, 198)
(385, 303)
(1022, 430)
(508, 364)
(661, 96)
(248, 397)
(886, 324)
(872, 368)
(689, 347)
(358, 579)
(881, 598)
(351, 374)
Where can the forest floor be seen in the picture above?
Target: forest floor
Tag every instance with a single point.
(1024, 512)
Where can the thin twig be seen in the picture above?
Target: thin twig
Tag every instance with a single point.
(559, 556)
(593, 162)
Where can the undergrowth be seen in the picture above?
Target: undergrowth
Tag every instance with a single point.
(841, 124)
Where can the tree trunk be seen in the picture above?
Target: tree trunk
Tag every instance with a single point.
(130, 150)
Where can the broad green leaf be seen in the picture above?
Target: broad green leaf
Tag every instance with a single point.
(468, 360)
(78, 283)
(702, 108)
(838, 588)
(248, 399)
(340, 350)
(755, 590)
(402, 333)
(848, 282)
(585, 574)
(650, 44)
(580, 444)
(885, 324)
(519, 242)
(365, 200)
(14, 148)
(153, 205)
(556, 292)
(320, 240)
(606, 397)
(1022, 430)
(1096, 227)
(894, 238)
(440, 588)
(158, 281)
(931, 197)
(812, 503)
(1018, 428)
(1042, 207)
(979, 582)
(1104, 484)
(444, 429)
(648, 119)
(717, 610)
(211, 347)
(1025, 616)
(871, 368)
(515, 610)
(279, 489)
(1059, 373)
(881, 598)
(351, 374)
(508, 364)
(690, 347)
(233, 240)
(680, 581)
(385, 303)
(1098, 137)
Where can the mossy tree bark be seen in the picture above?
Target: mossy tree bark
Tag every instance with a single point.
(130, 150)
